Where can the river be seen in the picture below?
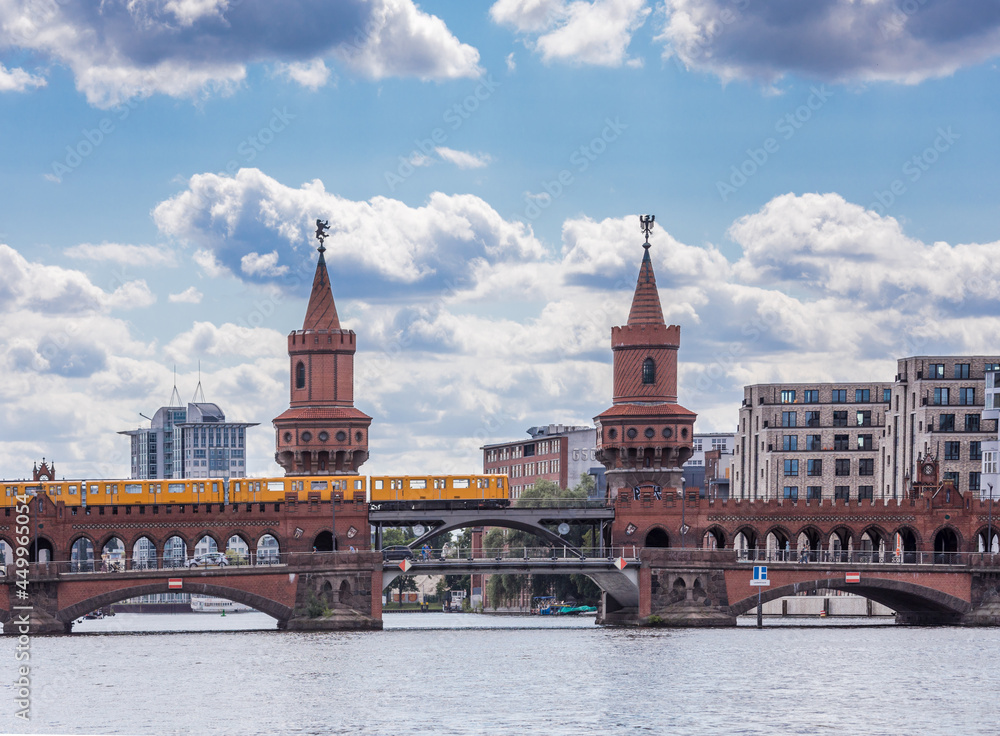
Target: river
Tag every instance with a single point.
(466, 674)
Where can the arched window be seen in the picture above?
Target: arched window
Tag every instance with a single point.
(300, 375)
(648, 371)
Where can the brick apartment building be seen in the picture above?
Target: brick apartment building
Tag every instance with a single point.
(852, 441)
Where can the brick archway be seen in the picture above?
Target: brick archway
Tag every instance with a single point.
(265, 605)
(908, 599)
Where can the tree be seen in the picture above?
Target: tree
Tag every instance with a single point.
(403, 583)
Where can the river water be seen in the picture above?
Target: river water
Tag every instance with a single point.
(445, 674)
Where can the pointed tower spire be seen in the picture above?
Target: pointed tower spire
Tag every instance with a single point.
(646, 308)
(321, 313)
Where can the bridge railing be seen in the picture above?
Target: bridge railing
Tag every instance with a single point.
(868, 557)
(548, 552)
(253, 560)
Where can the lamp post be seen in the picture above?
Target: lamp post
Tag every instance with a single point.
(989, 523)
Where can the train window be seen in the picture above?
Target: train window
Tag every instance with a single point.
(93, 488)
(317, 485)
(201, 488)
(359, 485)
(215, 487)
(460, 483)
(133, 488)
(71, 490)
(175, 488)
(377, 485)
(276, 485)
(418, 483)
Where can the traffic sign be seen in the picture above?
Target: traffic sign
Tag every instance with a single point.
(620, 563)
(853, 577)
(760, 577)
(175, 584)
(405, 565)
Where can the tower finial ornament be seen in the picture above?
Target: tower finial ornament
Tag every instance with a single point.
(322, 233)
(646, 223)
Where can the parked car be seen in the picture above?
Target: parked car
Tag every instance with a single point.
(397, 552)
(208, 559)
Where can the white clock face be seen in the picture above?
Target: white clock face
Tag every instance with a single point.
(928, 469)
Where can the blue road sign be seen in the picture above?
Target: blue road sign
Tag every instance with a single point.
(760, 576)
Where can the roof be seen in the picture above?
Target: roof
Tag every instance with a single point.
(322, 312)
(646, 308)
(322, 413)
(645, 410)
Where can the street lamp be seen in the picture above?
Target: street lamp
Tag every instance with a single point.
(989, 523)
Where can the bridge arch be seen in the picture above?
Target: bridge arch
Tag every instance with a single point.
(213, 540)
(714, 538)
(485, 519)
(746, 538)
(272, 608)
(988, 531)
(809, 539)
(840, 539)
(947, 541)
(909, 600)
(777, 540)
(657, 536)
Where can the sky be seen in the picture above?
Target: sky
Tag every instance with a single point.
(823, 176)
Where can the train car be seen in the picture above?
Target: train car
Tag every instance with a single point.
(301, 489)
(440, 492)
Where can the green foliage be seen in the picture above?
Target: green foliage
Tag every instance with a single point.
(654, 620)
(316, 607)
(397, 535)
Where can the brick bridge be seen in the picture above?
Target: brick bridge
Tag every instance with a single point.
(700, 577)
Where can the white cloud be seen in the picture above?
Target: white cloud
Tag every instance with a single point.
(183, 48)
(463, 159)
(311, 74)
(839, 40)
(596, 32)
(511, 64)
(403, 41)
(424, 248)
(469, 331)
(18, 80)
(190, 295)
(130, 255)
(256, 264)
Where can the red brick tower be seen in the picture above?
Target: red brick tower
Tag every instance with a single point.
(321, 433)
(645, 437)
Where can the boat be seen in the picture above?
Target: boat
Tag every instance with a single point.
(207, 604)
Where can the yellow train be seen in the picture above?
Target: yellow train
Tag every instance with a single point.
(439, 491)
(477, 490)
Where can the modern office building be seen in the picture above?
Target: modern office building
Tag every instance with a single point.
(555, 452)
(193, 441)
(857, 441)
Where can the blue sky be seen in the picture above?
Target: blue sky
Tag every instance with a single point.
(822, 174)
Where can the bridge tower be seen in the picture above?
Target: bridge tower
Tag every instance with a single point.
(321, 433)
(645, 437)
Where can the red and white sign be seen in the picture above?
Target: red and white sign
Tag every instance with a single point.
(853, 577)
(405, 565)
(620, 563)
(175, 583)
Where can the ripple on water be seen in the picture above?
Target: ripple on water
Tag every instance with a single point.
(462, 674)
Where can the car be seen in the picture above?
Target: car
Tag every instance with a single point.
(397, 552)
(207, 560)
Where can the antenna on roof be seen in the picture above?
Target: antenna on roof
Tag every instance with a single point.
(175, 398)
(199, 393)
